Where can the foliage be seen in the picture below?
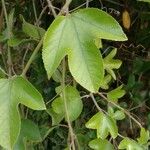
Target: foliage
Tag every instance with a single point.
(89, 83)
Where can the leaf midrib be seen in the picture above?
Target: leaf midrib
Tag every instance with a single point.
(78, 39)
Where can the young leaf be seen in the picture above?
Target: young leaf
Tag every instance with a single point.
(117, 115)
(29, 131)
(31, 30)
(115, 94)
(99, 144)
(56, 118)
(129, 144)
(110, 63)
(73, 99)
(105, 82)
(14, 91)
(74, 36)
(144, 136)
(103, 124)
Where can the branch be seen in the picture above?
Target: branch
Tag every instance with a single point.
(32, 57)
(65, 8)
(125, 111)
(51, 7)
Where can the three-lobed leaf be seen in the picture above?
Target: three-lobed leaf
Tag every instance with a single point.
(117, 115)
(129, 144)
(110, 63)
(103, 124)
(74, 35)
(99, 144)
(14, 91)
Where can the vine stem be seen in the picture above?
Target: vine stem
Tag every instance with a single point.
(32, 58)
(65, 8)
(51, 7)
(125, 111)
(65, 103)
(96, 104)
(38, 46)
(9, 61)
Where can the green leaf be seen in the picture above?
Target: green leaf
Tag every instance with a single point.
(117, 115)
(45, 131)
(73, 99)
(144, 136)
(129, 144)
(29, 131)
(131, 82)
(74, 35)
(98, 43)
(115, 94)
(145, 1)
(105, 82)
(110, 63)
(103, 124)
(16, 41)
(99, 144)
(57, 77)
(32, 31)
(14, 91)
(56, 118)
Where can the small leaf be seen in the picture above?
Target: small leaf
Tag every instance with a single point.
(16, 41)
(73, 99)
(58, 106)
(99, 144)
(144, 136)
(103, 124)
(29, 131)
(14, 91)
(131, 82)
(56, 118)
(117, 115)
(115, 94)
(129, 144)
(31, 30)
(105, 82)
(110, 63)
